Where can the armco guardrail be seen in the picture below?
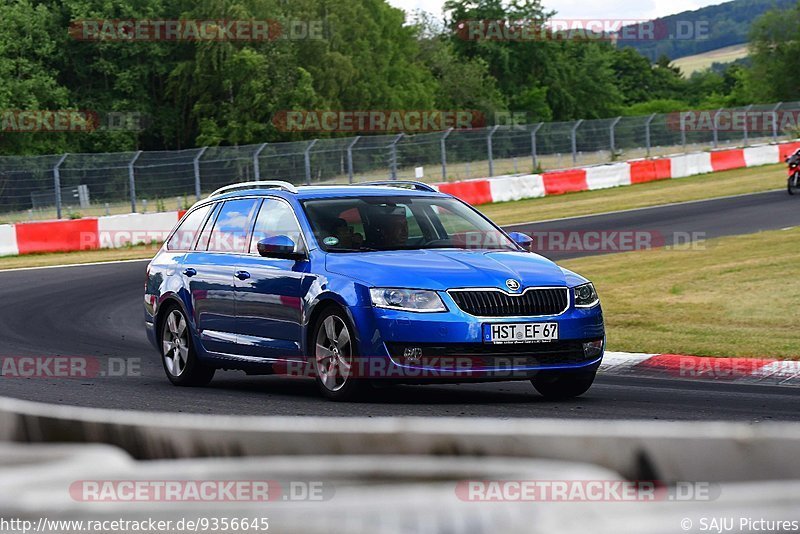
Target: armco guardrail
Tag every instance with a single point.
(637, 450)
(51, 487)
(393, 475)
(123, 230)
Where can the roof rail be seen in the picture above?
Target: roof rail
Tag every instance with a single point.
(404, 184)
(271, 184)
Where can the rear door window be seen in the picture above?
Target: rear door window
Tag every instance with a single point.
(232, 227)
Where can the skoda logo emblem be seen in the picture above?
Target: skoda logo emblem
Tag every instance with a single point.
(512, 284)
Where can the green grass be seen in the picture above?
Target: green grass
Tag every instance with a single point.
(734, 296)
(701, 187)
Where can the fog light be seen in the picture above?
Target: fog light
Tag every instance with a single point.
(593, 349)
(412, 355)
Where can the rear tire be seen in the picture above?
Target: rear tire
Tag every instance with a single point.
(561, 386)
(178, 355)
(333, 355)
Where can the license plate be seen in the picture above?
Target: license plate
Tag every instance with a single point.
(520, 333)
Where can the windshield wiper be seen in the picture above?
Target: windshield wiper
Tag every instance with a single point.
(359, 249)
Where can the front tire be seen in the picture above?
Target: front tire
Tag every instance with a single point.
(334, 357)
(794, 184)
(562, 386)
(178, 355)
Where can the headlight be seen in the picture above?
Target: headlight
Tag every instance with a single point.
(585, 296)
(414, 300)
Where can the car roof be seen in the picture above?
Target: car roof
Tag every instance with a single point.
(331, 191)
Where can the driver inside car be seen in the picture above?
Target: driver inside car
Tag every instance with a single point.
(393, 230)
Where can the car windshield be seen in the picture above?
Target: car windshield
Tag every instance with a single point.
(364, 224)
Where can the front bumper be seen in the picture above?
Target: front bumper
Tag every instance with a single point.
(449, 345)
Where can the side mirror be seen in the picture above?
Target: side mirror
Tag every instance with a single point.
(280, 247)
(522, 240)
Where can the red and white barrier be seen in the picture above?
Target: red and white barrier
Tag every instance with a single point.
(691, 164)
(756, 156)
(86, 234)
(507, 188)
(8, 241)
(510, 188)
(605, 176)
(135, 229)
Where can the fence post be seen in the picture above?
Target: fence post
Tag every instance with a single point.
(256, 163)
(611, 137)
(683, 130)
(574, 136)
(775, 122)
(350, 170)
(443, 146)
(307, 158)
(393, 160)
(746, 116)
(490, 149)
(196, 164)
(534, 150)
(57, 184)
(132, 181)
(647, 123)
(716, 127)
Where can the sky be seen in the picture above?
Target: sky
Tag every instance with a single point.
(583, 9)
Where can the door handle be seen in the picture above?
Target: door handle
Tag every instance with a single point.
(190, 272)
(242, 275)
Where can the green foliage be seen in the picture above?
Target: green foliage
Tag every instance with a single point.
(369, 57)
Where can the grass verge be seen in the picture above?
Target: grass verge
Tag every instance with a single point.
(734, 297)
(77, 258)
(720, 184)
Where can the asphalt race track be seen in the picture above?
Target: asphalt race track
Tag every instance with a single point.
(96, 311)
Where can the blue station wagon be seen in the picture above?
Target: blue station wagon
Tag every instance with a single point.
(356, 285)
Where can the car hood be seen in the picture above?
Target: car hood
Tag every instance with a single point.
(447, 269)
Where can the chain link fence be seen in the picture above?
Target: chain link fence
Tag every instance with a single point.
(78, 185)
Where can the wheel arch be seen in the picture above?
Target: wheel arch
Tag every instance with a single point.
(320, 306)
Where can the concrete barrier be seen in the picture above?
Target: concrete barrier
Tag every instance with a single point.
(8, 240)
(637, 450)
(512, 188)
(605, 176)
(687, 165)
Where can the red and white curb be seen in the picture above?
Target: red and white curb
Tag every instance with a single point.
(675, 366)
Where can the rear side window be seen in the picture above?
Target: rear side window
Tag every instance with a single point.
(233, 226)
(186, 234)
(276, 218)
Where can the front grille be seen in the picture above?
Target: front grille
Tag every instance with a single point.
(534, 302)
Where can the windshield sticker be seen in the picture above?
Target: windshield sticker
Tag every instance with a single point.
(331, 241)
